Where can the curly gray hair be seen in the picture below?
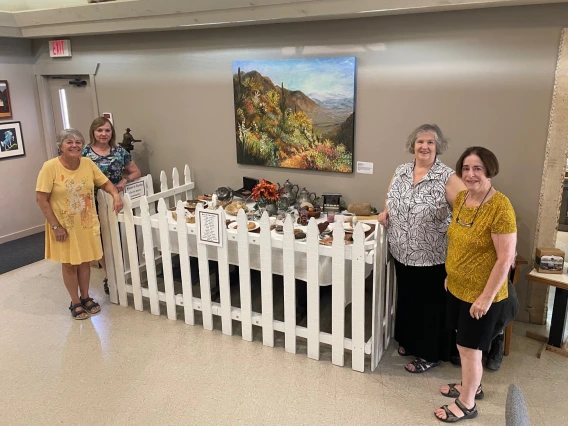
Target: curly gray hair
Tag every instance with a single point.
(441, 141)
(69, 134)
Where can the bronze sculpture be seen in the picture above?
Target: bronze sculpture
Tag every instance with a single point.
(128, 140)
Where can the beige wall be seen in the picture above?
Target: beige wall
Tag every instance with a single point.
(485, 77)
(19, 212)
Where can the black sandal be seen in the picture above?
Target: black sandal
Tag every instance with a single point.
(92, 306)
(452, 418)
(454, 393)
(75, 314)
(105, 286)
(421, 365)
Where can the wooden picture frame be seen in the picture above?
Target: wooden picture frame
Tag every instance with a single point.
(5, 103)
(11, 140)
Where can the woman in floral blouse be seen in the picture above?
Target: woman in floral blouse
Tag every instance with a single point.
(114, 161)
(417, 213)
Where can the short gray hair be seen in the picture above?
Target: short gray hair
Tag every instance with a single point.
(441, 141)
(69, 134)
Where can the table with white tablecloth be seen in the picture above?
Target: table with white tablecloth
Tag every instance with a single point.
(325, 262)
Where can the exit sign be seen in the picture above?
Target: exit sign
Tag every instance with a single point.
(60, 48)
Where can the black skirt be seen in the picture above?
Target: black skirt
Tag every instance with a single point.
(420, 325)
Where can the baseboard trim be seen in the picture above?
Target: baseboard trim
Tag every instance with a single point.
(22, 234)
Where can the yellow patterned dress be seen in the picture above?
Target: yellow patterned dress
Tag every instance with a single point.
(471, 253)
(73, 203)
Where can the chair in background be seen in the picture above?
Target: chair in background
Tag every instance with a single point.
(519, 261)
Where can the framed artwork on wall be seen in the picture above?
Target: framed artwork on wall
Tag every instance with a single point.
(295, 113)
(11, 140)
(5, 105)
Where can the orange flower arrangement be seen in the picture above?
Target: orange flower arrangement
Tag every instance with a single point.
(265, 192)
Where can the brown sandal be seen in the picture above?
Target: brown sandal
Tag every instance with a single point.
(76, 314)
(421, 365)
(93, 305)
(454, 393)
(452, 418)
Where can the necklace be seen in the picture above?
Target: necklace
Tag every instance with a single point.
(469, 225)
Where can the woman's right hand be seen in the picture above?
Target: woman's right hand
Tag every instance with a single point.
(121, 185)
(384, 218)
(117, 204)
(60, 234)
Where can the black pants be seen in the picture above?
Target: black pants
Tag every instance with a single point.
(421, 312)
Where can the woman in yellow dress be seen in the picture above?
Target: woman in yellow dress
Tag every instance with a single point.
(481, 249)
(65, 194)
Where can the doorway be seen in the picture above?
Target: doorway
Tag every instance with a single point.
(72, 103)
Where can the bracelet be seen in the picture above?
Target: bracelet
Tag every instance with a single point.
(128, 180)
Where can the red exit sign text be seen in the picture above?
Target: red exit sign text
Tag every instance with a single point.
(60, 48)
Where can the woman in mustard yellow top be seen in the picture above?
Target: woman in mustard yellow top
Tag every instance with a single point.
(481, 249)
(65, 194)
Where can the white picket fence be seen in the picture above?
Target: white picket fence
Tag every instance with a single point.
(138, 243)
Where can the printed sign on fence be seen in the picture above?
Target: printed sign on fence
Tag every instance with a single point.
(210, 231)
(136, 188)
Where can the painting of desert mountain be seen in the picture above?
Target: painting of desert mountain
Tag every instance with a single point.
(295, 113)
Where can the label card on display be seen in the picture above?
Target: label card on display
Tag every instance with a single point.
(364, 167)
(210, 231)
(136, 188)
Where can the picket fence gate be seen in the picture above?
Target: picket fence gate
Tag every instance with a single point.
(137, 247)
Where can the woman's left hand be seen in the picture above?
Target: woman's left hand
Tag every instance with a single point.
(480, 307)
(117, 204)
(121, 185)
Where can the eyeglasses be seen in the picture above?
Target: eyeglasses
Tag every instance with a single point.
(469, 225)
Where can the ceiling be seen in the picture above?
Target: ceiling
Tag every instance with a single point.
(57, 18)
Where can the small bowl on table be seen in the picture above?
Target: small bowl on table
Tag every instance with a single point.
(191, 205)
(315, 212)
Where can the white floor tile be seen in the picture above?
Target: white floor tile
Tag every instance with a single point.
(126, 367)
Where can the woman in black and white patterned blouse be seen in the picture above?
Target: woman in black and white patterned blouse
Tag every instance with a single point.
(417, 213)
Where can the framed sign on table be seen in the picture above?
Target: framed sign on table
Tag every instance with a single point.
(11, 140)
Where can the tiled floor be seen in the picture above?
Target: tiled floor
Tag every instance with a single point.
(125, 367)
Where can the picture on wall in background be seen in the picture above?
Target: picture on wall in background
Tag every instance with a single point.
(5, 105)
(11, 141)
(295, 113)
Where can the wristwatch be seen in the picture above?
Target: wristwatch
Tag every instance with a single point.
(54, 227)
(128, 180)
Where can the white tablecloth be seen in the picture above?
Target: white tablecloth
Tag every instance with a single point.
(325, 263)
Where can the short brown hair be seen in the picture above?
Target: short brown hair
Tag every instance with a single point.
(488, 159)
(98, 122)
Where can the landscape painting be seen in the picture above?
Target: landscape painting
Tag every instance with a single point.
(295, 113)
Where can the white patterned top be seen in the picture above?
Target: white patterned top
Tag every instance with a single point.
(419, 215)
